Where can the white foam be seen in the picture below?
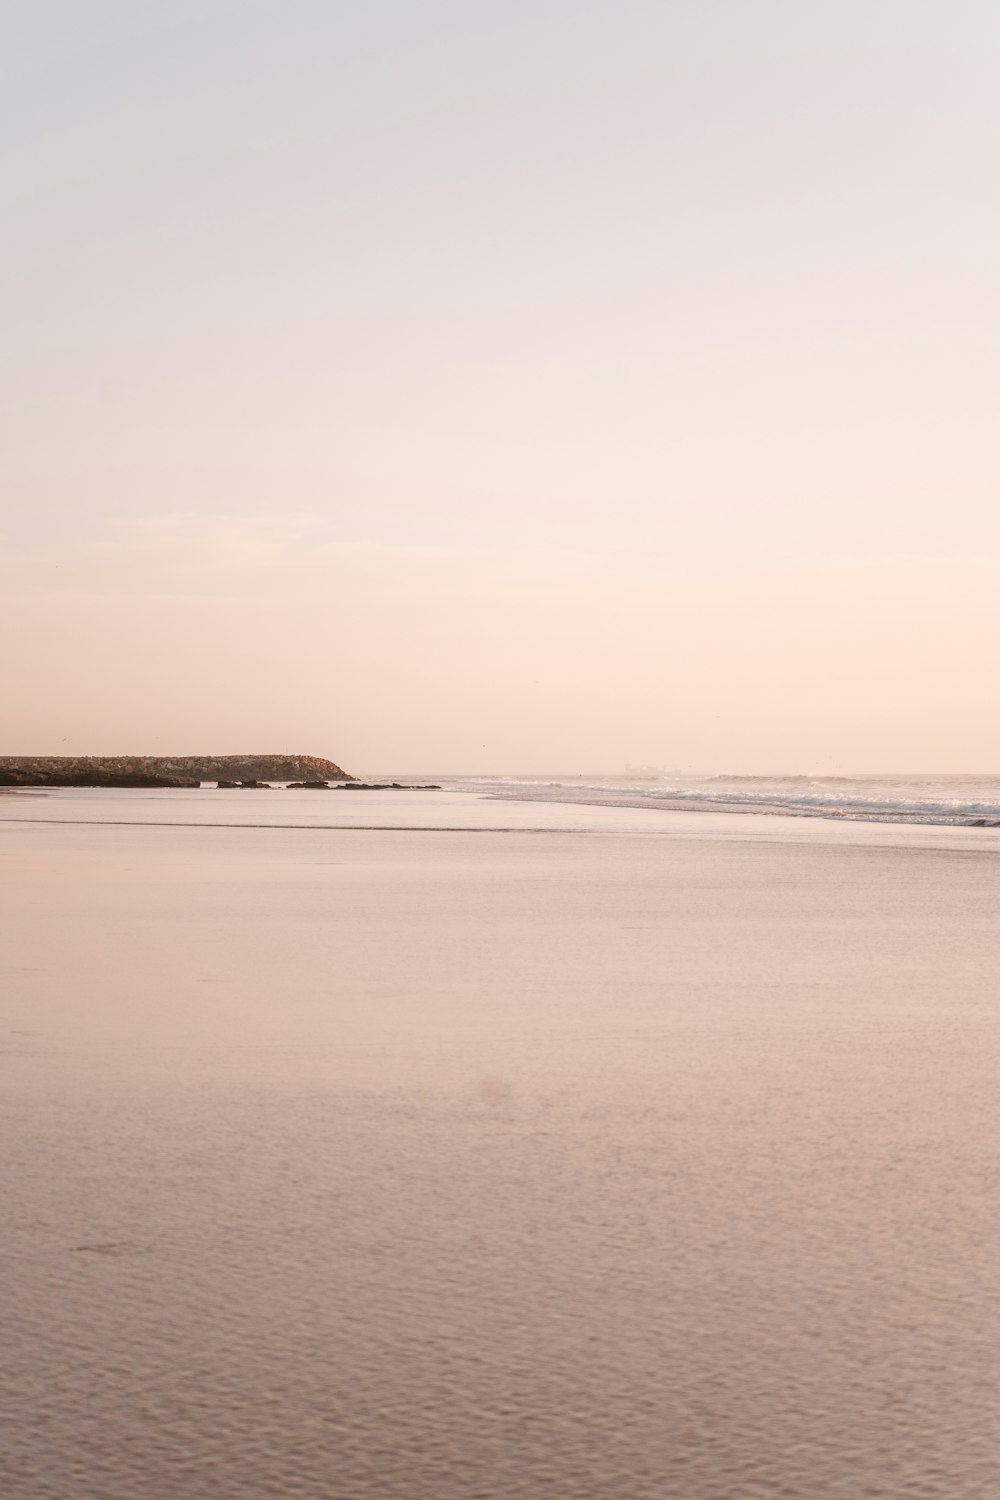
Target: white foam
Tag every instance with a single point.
(894, 799)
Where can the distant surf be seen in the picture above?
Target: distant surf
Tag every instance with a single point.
(956, 799)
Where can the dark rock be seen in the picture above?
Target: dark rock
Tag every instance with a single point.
(163, 770)
(56, 778)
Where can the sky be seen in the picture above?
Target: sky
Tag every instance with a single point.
(502, 387)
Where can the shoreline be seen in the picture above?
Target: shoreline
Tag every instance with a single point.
(907, 802)
(773, 810)
(467, 810)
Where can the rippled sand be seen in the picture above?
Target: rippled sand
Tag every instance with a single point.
(642, 1156)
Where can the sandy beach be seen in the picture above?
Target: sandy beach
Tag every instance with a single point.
(607, 1152)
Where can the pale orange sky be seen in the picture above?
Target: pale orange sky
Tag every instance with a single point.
(516, 388)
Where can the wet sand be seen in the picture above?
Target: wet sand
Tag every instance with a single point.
(609, 1153)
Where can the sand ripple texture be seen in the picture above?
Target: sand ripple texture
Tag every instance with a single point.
(676, 1179)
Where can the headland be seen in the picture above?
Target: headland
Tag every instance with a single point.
(163, 770)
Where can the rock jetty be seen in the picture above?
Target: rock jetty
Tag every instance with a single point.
(164, 770)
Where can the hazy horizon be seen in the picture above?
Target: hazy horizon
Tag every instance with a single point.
(472, 389)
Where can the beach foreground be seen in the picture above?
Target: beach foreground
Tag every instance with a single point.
(569, 1152)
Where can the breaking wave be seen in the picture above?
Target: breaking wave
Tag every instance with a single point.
(970, 799)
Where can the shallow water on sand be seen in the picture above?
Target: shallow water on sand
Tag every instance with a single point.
(613, 1159)
(958, 800)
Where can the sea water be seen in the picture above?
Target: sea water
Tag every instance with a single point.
(897, 798)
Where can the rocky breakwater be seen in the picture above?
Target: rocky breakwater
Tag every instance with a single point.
(360, 786)
(121, 771)
(163, 770)
(245, 768)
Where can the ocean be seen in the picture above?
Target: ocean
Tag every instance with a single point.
(880, 799)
